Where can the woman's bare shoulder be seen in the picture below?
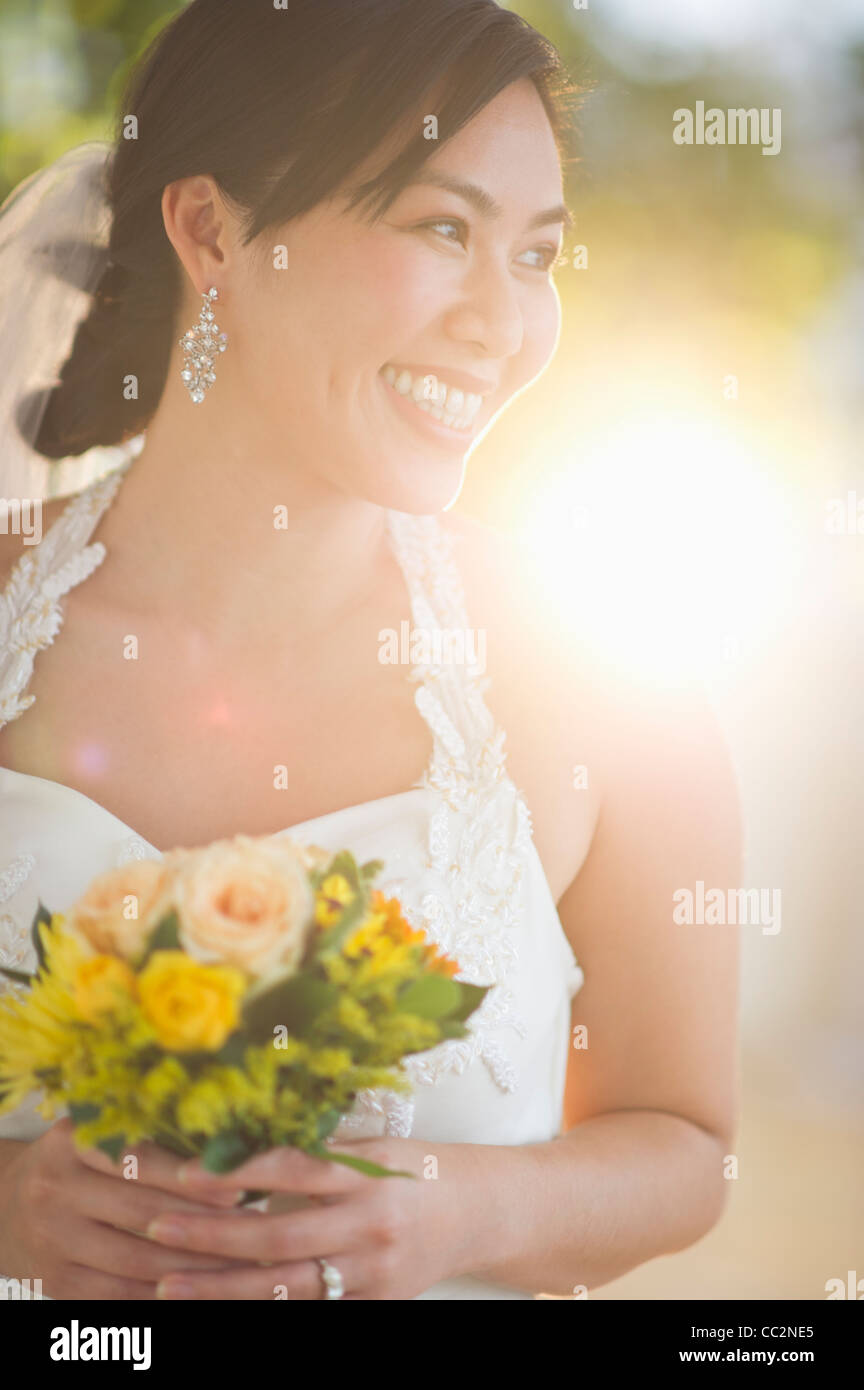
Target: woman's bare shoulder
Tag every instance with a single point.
(550, 636)
(540, 692)
(581, 708)
(539, 639)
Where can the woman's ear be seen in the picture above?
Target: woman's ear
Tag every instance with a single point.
(200, 228)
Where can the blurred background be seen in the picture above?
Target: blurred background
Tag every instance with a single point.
(686, 475)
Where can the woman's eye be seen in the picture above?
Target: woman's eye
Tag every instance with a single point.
(447, 222)
(550, 256)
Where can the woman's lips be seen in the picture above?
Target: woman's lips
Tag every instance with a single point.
(430, 429)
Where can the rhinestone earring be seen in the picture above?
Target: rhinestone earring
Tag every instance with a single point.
(200, 347)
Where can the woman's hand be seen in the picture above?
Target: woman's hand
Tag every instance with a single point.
(390, 1238)
(68, 1218)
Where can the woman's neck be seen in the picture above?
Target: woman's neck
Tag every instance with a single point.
(221, 525)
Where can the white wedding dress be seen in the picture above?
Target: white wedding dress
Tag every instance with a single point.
(457, 848)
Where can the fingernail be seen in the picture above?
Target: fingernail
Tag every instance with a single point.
(174, 1288)
(166, 1229)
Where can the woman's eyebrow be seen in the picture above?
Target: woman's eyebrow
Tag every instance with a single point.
(486, 204)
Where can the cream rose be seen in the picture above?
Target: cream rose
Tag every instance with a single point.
(312, 857)
(121, 907)
(244, 902)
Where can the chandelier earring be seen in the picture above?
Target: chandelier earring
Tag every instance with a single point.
(201, 347)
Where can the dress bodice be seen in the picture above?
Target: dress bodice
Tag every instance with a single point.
(457, 848)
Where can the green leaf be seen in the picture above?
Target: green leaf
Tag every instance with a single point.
(232, 1052)
(345, 864)
(448, 1028)
(224, 1152)
(165, 936)
(82, 1114)
(472, 997)
(371, 869)
(19, 976)
(362, 1165)
(293, 1003)
(42, 918)
(432, 996)
(327, 1122)
(113, 1147)
(332, 938)
(175, 1144)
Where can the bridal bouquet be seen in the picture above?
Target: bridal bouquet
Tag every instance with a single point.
(226, 1000)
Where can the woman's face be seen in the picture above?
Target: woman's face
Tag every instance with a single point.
(450, 291)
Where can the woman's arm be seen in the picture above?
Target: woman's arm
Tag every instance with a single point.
(653, 1095)
(652, 1090)
(572, 1214)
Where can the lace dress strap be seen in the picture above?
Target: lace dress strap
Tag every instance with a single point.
(448, 670)
(30, 610)
(471, 900)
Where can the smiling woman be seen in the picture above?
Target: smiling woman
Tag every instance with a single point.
(306, 130)
(383, 295)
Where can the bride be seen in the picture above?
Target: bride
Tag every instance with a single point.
(367, 198)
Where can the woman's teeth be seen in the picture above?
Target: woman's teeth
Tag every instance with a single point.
(455, 408)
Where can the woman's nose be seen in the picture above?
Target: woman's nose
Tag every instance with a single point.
(488, 312)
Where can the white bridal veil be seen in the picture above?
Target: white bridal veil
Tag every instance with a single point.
(54, 230)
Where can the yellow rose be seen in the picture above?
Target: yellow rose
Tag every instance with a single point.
(247, 902)
(193, 1007)
(100, 984)
(121, 907)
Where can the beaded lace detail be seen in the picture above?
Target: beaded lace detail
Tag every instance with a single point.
(30, 615)
(30, 618)
(15, 947)
(478, 836)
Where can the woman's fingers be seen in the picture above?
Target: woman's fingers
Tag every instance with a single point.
(152, 1166)
(117, 1252)
(129, 1205)
(286, 1170)
(301, 1281)
(256, 1236)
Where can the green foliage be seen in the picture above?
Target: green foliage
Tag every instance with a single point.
(293, 1003)
(432, 996)
(42, 919)
(164, 937)
(225, 1152)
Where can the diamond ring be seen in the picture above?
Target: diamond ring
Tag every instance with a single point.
(332, 1280)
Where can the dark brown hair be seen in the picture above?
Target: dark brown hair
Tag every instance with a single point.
(279, 106)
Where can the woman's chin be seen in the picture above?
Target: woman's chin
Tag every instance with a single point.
(421, 486)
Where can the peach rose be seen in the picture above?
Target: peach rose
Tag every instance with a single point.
(312, 857)
(121, 907)
(244, 902)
